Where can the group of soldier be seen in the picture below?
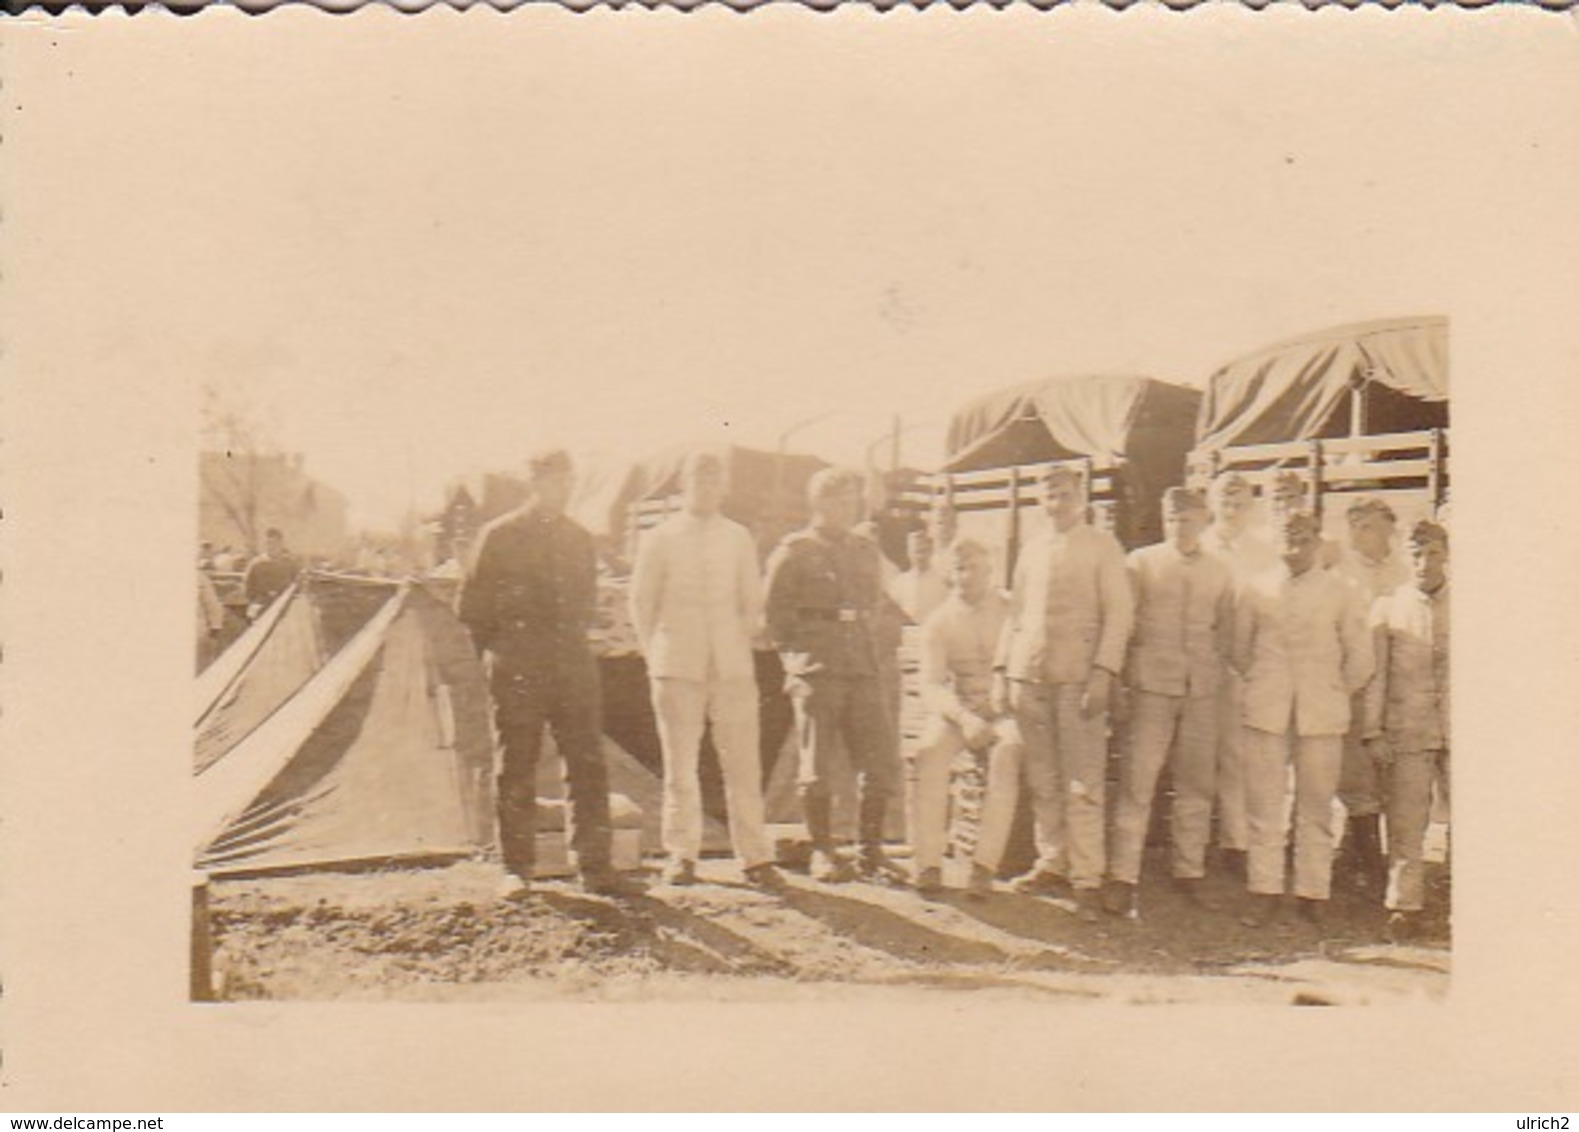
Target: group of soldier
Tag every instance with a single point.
(1267, 669)
(263, 579)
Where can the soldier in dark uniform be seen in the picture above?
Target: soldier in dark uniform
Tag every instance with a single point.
(824, 592)
(270, 574)
(529, 604)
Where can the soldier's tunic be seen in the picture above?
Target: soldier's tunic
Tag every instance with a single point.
(1246, 555)
(824, 597)
(1407, 704)
(696, 600)
(1358, 787)
(1178, 662)
(1071, 613)
(1302, 643)
(529, 604)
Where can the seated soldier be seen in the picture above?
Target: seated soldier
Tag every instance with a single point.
(958, 643)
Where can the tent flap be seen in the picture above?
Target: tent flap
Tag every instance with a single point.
(383, 752)
(1061, 419)
(1293, 390)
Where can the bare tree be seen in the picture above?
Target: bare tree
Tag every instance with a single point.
(238, 442)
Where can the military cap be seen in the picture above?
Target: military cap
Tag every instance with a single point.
(1426, 532)
(548, 462)
(1182, 499)
(1368, 506)
(833, 481)
(1288, 480)
(1230, 483)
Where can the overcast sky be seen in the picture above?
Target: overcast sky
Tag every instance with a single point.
(616, 241)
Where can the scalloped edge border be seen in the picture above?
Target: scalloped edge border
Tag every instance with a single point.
(53, 8)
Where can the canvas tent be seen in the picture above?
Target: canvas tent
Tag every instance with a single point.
(381, 751)
(350, 725)
(1362, 379)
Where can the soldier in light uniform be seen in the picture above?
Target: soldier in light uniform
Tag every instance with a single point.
(958, 644)
(529, 605)
(1301, 641)
(824, 598)
(1288, 495)
(1371, 567)
(1177, 663)
(923, 587)
(1407, 716)
(1241, 544)
(1063, 646)
(696, 603)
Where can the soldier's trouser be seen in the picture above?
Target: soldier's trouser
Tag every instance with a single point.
(683, 708)
(1317, 759)
(1233, 828)
(851, 708)
(1066, 765)
(1188, 727)
(929, 795)
(1359, 788)
(567, 699)
(1408, 813)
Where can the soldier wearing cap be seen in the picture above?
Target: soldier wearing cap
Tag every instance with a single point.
(1300, 639)
(824, 597)
(1239, 542)
(1063, 644)
(1288, 495)
(529, 605)
(1178, 661)
(1371, 567)
(1406, 715)
(958, 646)
(270, 574)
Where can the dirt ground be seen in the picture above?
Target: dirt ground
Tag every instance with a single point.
(443, 934)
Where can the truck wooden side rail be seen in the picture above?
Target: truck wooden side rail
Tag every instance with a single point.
(1407, 468)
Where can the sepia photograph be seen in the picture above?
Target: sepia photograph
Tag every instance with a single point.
(1125, 687)
(879, 560)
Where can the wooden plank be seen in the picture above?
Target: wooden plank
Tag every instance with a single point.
(1377, 470)
(1250, 453)
(1382, 442)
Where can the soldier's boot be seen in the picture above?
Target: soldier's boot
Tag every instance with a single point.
(827, 864)
(874, 862)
